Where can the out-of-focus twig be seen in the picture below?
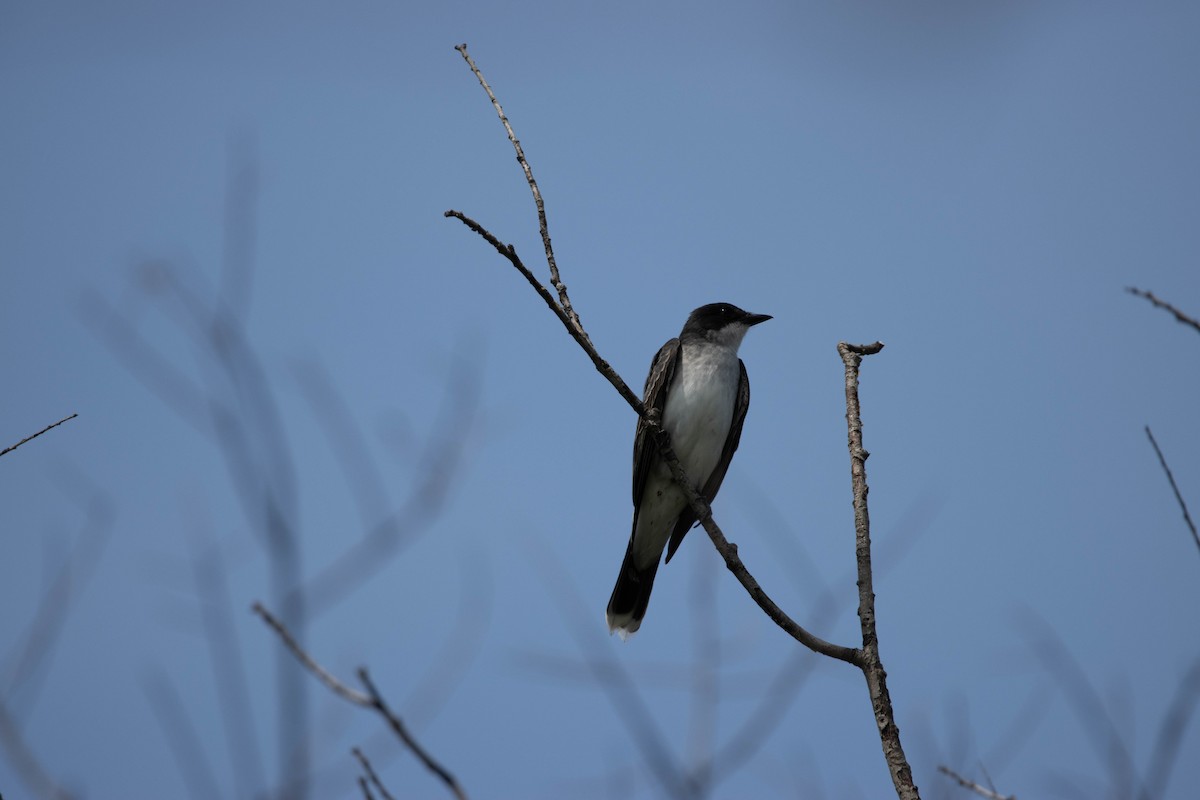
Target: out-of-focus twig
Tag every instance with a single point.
(1187, 517)
(982, 791)
(371, 775)
(1103, 733)
(28, 663)
(12, 447)
(1170, 735)
(612, 676)
(227, 664)
(185, 744)
(1163, 304)
(25, 762)
(371, 699)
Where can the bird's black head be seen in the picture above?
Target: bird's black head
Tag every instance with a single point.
(715, 318)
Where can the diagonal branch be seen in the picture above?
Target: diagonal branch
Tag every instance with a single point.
(573, 326)
(10, 448)
(372, 699)
(1163, 304)
(323, 675)
(1174, 487)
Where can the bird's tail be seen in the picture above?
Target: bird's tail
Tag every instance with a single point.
(630, 596)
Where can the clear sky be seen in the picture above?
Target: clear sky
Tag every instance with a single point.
(972, 183)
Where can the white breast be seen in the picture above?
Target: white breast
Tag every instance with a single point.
(699, 407)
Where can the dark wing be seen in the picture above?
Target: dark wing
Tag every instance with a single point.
(654, 396)
(687, 518)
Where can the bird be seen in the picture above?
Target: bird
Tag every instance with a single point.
(700, 389)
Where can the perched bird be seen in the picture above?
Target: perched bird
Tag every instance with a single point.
(699, 386)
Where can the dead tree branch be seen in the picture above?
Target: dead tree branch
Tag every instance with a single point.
(12, 447)
(371, 699)
(727, 549)
(870, 662)
(866, 658)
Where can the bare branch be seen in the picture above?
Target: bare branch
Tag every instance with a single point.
(1174, 487)
(982, 791)
(729, 552)
(1179, 315)
(867, 658)
(544, 229)
(399, 728)
(871, 664)
(372, 699)
(573, 326)
(10, 448)
(371, 776)
(324, 676)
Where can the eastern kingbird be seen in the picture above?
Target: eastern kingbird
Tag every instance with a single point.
(699, 386)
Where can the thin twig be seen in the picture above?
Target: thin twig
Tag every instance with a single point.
(371, 699)
(982, 791)
(25, 763)
(1163, 304)
(574, 328)
(1174, 487)
(401, 731)
(543, 227)
(10, 448)
(371, 775)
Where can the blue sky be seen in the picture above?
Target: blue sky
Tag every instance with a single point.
(973, 184)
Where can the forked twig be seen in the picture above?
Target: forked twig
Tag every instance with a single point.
(543, 227)
(372, 699)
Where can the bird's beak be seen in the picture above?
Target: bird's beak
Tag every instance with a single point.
(754, 319)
